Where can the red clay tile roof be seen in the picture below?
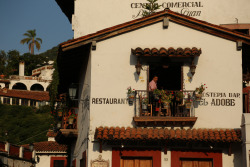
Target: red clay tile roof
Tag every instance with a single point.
(48, 146)
(25, 94)
(154, 18)
(4, 81)
(171, 52)
(212, 135)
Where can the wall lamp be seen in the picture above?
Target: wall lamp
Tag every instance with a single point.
(72, 91)
(138, 67)
(192, 69)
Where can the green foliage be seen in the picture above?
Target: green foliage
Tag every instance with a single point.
(3, 61)
(150, 7)
(23, 122)
(31, 62)
(31, 40)
(53, 87)
(50, 54)
(13, 58)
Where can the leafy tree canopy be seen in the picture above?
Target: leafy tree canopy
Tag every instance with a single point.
(21, 123)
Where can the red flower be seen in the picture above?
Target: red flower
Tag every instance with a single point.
(204, 84)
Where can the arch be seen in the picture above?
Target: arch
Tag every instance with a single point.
(20, 86)
(37, 87)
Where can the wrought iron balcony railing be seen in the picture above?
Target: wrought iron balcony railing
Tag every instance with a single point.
(164, 108)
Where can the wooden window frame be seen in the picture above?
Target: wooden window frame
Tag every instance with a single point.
(84, 157)
(176, 156)
(117, 154)
(6, 100)
(52, 159)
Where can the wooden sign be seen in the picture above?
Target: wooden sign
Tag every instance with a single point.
(99, 162)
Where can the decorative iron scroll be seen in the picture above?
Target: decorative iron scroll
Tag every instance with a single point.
(99, 162)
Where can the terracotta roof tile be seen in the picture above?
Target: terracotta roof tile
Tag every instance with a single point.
(170, 52)
(49, 146)
(213, 135)
(154, 18)
(25, 94)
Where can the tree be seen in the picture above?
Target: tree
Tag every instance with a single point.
(31, 40)
(150, 7)
(3, 58)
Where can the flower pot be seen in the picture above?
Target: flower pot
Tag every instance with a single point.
(165, 105)
(156, 97)
(71, 121)
(188, 105)
(144, 106)
(198, 97)
(59, 113)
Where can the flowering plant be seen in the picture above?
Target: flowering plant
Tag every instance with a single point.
(167, 98)
(188, 100)
(145, 100)
(130, 90)
(201, 89)
(179, 94)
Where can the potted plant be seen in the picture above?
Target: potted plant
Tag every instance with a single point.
(179, 95)
(71, 119)
(188, 102)
(157, 94)
(60, 112)
(166, 99)
(198, 92)
(131, 94)
(144, 103)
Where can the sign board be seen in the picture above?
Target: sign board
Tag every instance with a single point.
(99, 162)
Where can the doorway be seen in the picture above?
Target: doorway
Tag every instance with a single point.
(136, 162)
(169, 76)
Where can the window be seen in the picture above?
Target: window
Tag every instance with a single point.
(15, 101)
(198, 162)
(131, 158)
(136, 162)
(33, 103)
(6, 100)
(58, 162)
(196, 159)
(25, 102)
(169, 76)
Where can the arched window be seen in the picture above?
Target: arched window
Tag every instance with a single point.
(37, 87)
(19, 86)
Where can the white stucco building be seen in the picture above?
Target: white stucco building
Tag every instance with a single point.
(50, 153)
(111, 53)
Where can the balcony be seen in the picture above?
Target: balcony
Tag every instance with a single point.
(68, 130)
(151, 111)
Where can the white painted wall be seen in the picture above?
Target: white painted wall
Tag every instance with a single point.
(113, 70)
(94, 15)
(29, 83)
(45, 159)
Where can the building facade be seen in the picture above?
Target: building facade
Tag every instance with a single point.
(115, 129)
(16, 156)
(181, 48)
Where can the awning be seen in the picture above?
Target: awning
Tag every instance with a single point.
(170, 52)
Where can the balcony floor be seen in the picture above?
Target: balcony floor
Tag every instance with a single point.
(164, 121)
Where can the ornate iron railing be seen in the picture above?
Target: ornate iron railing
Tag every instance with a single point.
(146, 104)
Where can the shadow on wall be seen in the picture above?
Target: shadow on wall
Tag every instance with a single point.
(2, 164)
